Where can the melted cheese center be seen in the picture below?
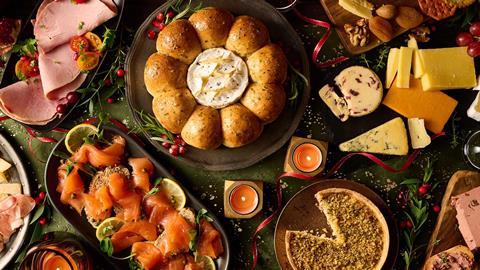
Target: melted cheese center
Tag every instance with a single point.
(217, 78)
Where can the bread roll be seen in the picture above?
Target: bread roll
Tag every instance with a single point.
(240, 126)
(268, 65)
(247, 35)
(212, 25)
(266, 101)
(180, 41)
(173, 107)
(203, 129)
(163, 72)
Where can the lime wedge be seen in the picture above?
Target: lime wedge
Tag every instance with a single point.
(208, 263)
(173, 191)
(74, 138)
(108, 227)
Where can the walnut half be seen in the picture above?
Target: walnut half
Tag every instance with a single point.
(358, 33)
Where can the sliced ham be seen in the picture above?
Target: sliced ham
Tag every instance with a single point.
(59, 21)
(12, 211)
(57, 69)
(25, 101)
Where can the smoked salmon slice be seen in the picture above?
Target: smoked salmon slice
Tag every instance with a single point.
(147, 254)
(129, 201)
(157, 206)
(72, 190)
(176, 263)
(192, 265)
(133, 232)
(210, 241)
(142, 171)
(109, 156)
(118, 186)
(99, 206)
(176, 236)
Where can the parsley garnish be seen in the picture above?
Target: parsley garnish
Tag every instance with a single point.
(80, 25)
(26, 47)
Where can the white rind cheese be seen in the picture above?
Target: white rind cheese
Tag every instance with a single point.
(361, 88)
(337, 104)
(418, 134)
(389, 138)
(474, 110)
(217, 78)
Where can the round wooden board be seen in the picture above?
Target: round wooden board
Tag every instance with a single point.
(301, 213)
(274, 135)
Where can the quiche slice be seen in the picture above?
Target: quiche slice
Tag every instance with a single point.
(360, 237)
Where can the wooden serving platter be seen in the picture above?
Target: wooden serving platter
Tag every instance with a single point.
(339, 16)
(446, 234)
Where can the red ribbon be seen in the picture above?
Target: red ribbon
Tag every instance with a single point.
(332, 171)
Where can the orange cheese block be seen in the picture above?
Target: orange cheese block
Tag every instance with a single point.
(434, 107)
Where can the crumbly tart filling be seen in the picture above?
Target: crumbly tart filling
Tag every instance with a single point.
(357, 240)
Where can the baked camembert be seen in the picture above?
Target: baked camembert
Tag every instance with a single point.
(360, 237)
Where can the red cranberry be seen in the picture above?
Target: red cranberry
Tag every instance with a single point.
(110, 100)
(2, 64)
(408, 224)
(422, 190)
(182, 150)
(72, 97)
(166, 145)
(161, 26)
(170, 14)
(151, 35)
(42, 221)
(120, 72)
(436, 209)
(160, 17)
(61, 108)
(41, 195)
(173, 150)
(107, 82)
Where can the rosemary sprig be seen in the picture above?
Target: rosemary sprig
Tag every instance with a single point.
(297, 83)
(151, 125)
(378, 63)
(181, 10)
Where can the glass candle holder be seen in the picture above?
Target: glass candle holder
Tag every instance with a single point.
(471, 149)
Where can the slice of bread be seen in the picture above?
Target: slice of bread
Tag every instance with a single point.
(429, 264)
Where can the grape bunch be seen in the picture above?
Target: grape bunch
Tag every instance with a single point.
(471, 39)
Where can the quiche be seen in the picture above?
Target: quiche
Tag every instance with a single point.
(360, 236)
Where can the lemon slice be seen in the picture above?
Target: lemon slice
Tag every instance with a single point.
(108, 227)
(74, 138)
(208, 263)
(174, 191)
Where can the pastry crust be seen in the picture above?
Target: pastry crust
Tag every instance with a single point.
(266, 101)
(173, 107)
(179, 40)
(212, 25)
(203, 129)
(163, 72)
(268, 65)
(337, 235)
(247, 35)
(240, 126)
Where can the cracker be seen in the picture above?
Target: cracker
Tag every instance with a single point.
(437, 9)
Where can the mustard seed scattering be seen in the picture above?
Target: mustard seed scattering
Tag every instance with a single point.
(359, 238)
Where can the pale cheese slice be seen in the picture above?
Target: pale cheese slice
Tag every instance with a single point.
(336, 104)
(3, 178)
(389, 138)
(392, 66)
(474, 110)
(404, 67)
(11, 188)
(417, 65)
(418, 134)
(361, 8)
(4, 165)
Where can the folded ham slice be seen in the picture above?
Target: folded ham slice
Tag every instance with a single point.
(59, 21)
(12, 211)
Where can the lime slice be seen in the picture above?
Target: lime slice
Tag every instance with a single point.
(74, 138)
(208, 263)
(173, 191)
(108, 227)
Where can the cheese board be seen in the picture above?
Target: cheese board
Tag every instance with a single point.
(445, 233)
(339, 16)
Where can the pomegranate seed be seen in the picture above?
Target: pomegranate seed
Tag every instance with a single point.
(42, 221)
(436, 209)
(170, 14)
(23, 58)
(120, 73)
(166, 145)
(61, 108)
(151, 35)
(160, 17)
(182, 150)
(107, 82)
(110, 100)
(41, 195)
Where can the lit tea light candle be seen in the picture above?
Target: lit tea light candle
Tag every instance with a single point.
(307, 157)
(244, 199)
(56, 263)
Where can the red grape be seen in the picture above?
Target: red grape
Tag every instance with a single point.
(474, 49)
(464, 38)
(475, 28)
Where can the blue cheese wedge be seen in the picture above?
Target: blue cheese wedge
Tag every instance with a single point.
(217, 78)
(389, 138)
(336, 104)
(474, 110)
(361, 88)
(418, 134)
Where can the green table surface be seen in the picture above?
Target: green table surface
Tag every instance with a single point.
(208, 186)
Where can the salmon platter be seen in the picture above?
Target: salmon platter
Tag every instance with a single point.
(51, 61)
(128, 207)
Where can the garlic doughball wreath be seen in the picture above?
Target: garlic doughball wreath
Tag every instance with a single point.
(216, 79)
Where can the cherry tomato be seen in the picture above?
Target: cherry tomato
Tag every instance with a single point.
(151, 35)
(24, 58)
(474, 49)
(464, 38)
(88, 60)
(72, 97)
(61, 108)
(475, 29)
(24, 70)
(79, 44)
(120, 73)
(94, 41)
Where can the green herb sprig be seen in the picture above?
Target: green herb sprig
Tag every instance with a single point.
(297, 83)
(379, 63)
(26, 47)
(150, 124)
(181, 10)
